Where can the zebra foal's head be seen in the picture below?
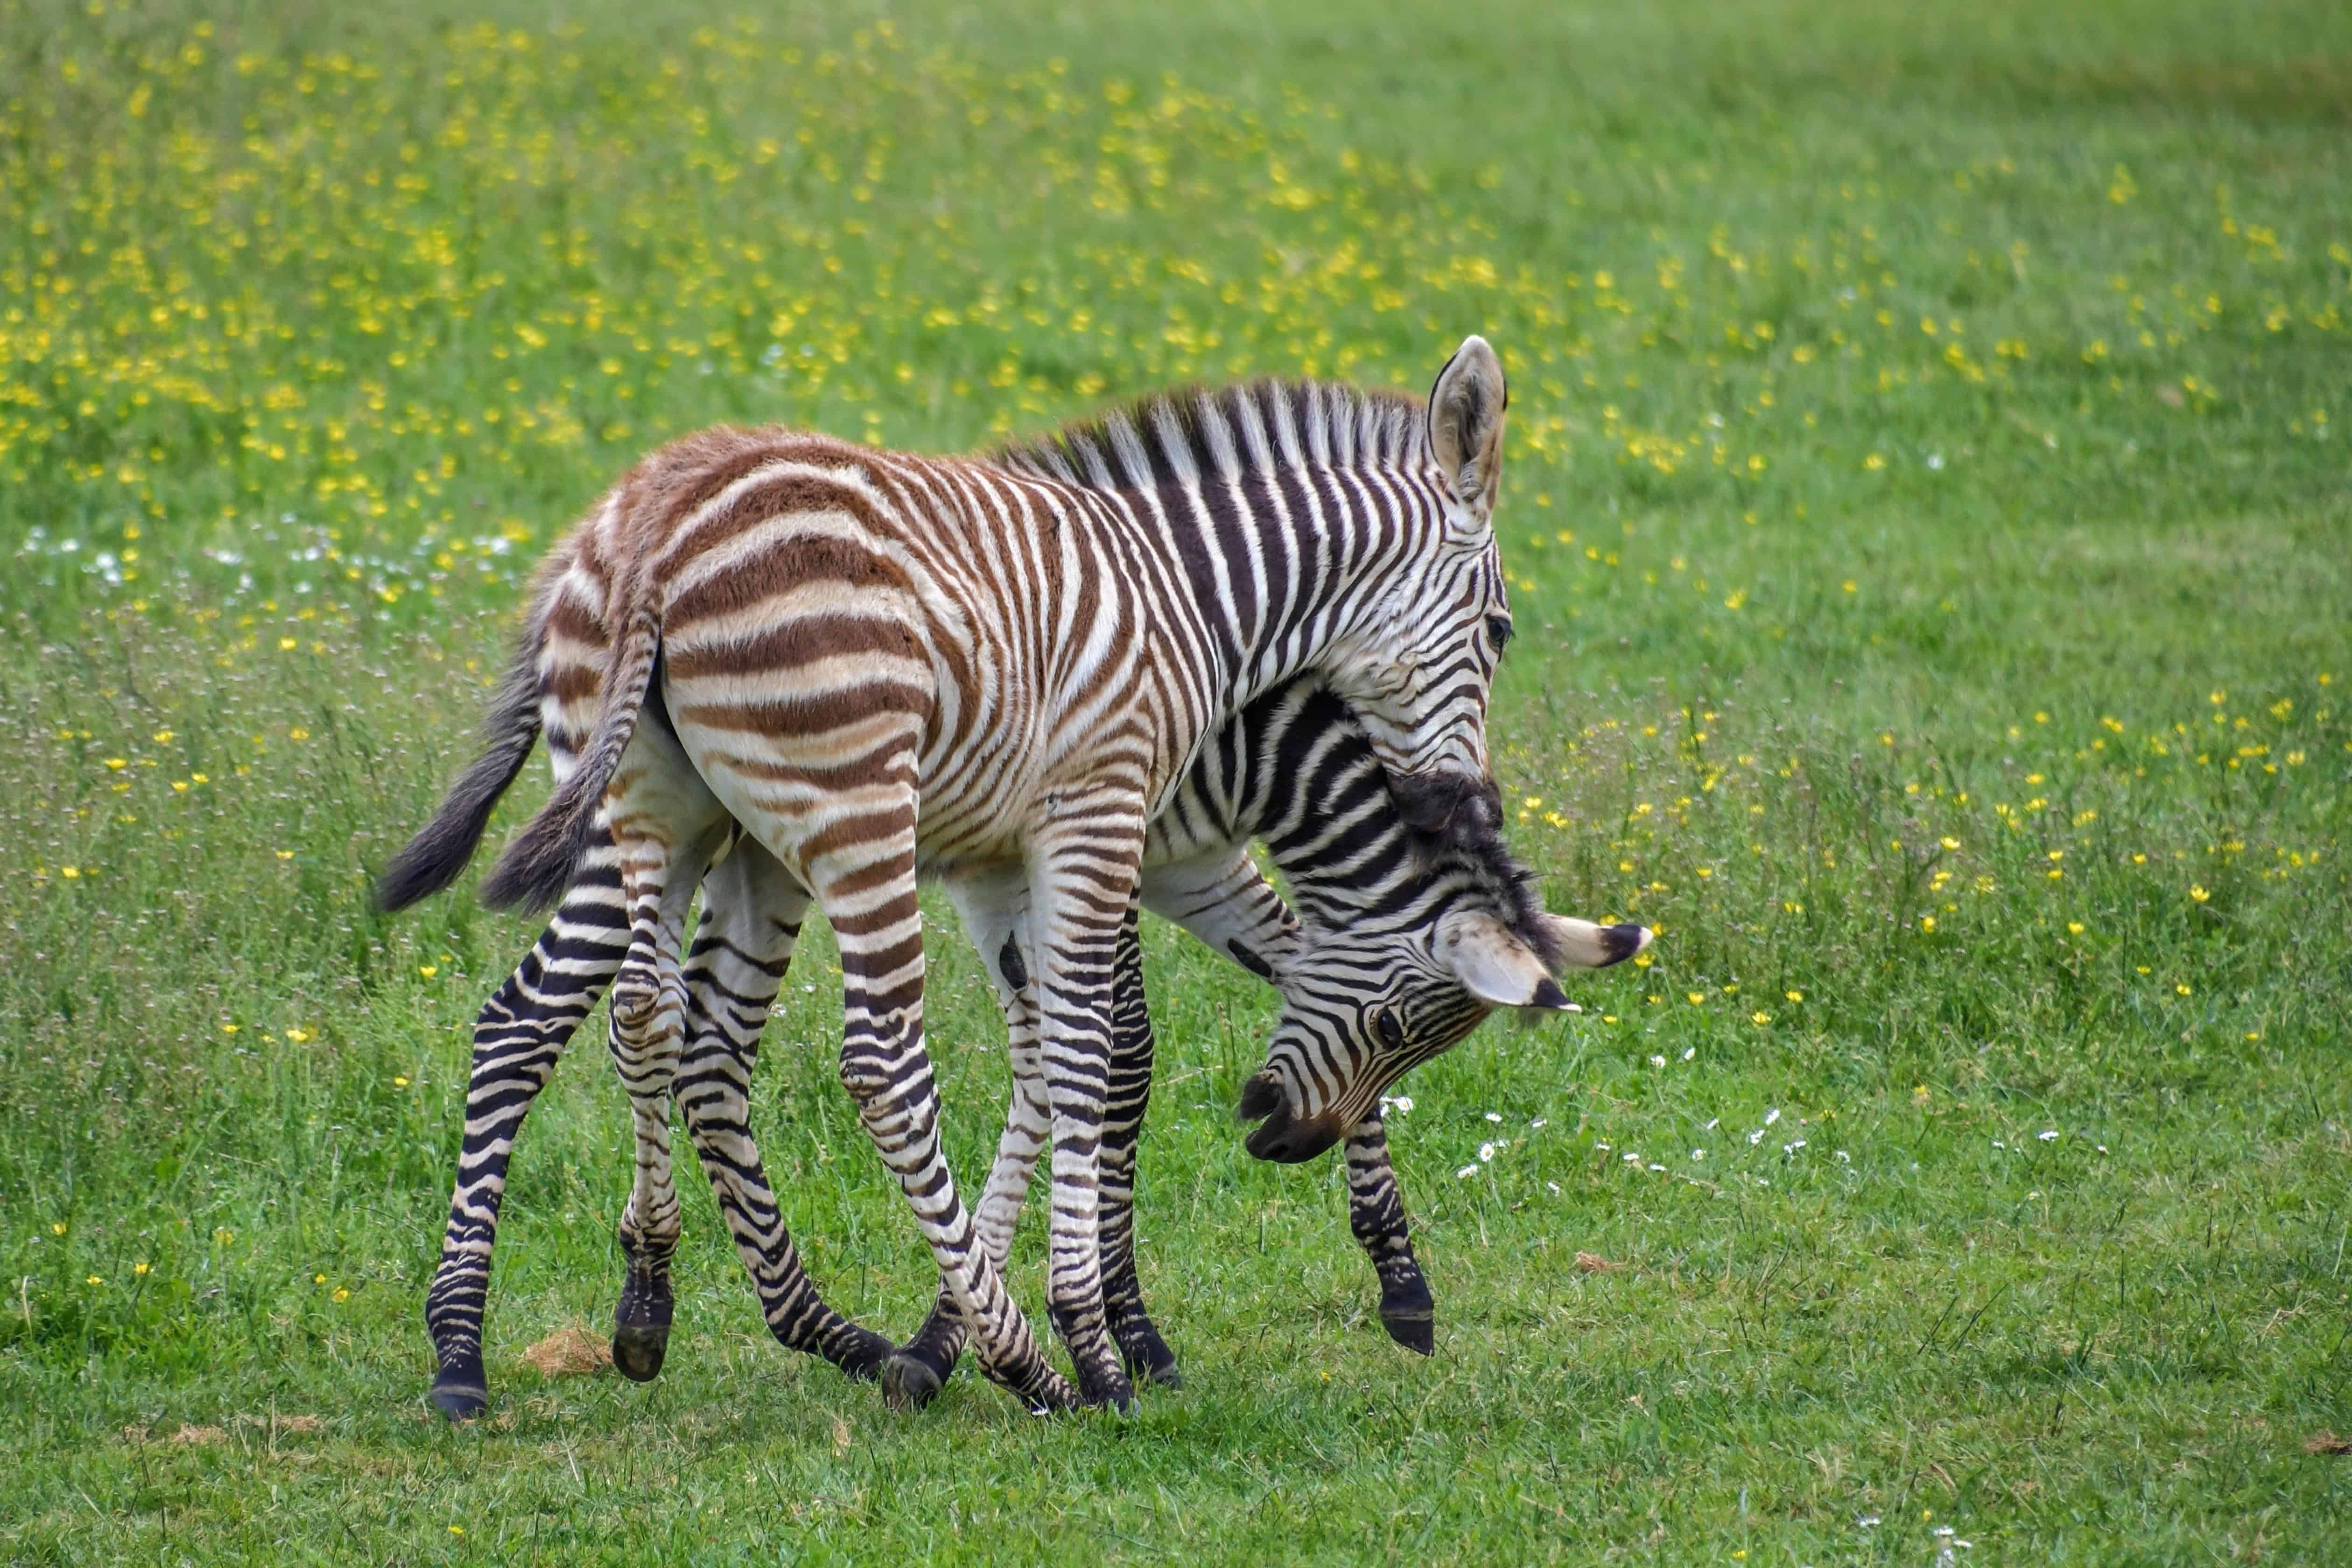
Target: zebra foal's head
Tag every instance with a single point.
(1417, 663)
(1372, 992)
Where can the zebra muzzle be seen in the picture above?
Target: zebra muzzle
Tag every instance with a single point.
(1280, 1136)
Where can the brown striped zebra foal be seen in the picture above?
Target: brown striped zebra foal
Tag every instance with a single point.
(883, 664)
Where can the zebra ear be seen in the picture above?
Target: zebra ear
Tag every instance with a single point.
(1465, 424)
(1589, 946)
(1495, 967)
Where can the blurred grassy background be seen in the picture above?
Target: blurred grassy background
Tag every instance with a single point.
(1926, 510)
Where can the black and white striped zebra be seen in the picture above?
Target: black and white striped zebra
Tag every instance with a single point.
(882, 665)
(1294, 768)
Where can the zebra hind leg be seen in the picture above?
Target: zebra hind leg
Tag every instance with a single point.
(752, 917)
(1376, 1215)
(518, 1037)
(995, 912)
(868, 888)
(647, 1017)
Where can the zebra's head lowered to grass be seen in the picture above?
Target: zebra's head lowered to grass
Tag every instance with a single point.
(1407, 940)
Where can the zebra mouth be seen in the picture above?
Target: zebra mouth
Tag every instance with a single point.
(1280, 1136)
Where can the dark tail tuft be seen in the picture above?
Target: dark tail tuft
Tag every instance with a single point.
(536, 868)
(437, 855)
(540, 864)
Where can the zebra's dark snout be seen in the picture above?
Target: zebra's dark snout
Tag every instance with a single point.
(1260, 1096)
(1282, 1138)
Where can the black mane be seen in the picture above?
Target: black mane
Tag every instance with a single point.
(1472, 842)
(1228, 432)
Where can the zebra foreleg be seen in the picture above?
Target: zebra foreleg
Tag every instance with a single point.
(1086, 862)
(518, 1037)
(752, 917)
(1146, 1355)
(868, 888)
(1221, 898)
(995, 913)
(1376, 1215)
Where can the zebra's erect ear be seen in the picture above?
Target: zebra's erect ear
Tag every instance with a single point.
(1465, 424)
(1591, 947)
(1494, 965)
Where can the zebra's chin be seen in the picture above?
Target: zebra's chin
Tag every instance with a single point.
(1282, 1138)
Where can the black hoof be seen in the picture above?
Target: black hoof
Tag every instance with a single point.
(638, 1350)
(641, 1327)
(1100, 1389)
(458, 1401)
(1418, 1334)
(862, 1354)
(1147, 1357)
(909, 1381)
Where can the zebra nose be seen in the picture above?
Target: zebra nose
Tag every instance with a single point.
(1282, 1138)
(1288, 1141)
(1260, 1096)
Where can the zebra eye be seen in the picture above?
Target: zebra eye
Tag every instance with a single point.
(1389, 1027)
(1499, 627)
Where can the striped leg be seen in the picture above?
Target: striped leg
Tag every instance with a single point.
(1376, 1214)
(667, 827)
(751, 916)
(1086, 862)
(1147, 1355)
(1222, 900)
(995, 913)
(519, 1036)
(1228, 905)
(648, 1028)
(865, 885)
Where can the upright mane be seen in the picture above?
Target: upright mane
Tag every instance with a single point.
(1228, 434)
(1470, 852)
(1474, 845)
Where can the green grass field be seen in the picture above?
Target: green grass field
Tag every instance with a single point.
(1929, 529)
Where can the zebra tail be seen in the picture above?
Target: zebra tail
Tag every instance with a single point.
(540, 864)
(434, 858)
